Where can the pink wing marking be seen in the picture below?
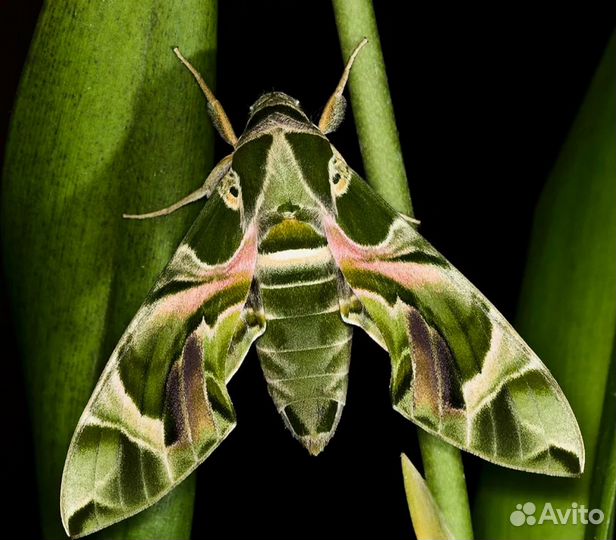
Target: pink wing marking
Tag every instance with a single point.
(215, 279)
(350, 255)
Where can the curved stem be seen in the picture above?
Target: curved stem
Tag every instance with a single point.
(382, 156)
(372, 108)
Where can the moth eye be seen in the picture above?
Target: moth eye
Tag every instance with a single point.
(230, 190)
(339, 176)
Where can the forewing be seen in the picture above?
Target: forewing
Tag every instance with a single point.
(459, 369)
(161, 405)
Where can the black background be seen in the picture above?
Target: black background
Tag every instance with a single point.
(484, 97)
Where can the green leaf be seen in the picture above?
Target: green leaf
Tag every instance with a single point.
(603, 487)
(106, 121)
(428, 520)
(568, 315)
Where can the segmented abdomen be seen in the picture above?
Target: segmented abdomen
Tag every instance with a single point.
(305, 350)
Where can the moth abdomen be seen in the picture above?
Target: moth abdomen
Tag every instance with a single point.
(305, 350)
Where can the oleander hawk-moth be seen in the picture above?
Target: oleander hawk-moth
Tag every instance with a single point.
(292, 250)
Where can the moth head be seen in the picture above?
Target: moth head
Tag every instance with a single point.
(277, 107)
(274, 99)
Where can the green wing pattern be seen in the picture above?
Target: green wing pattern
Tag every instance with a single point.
(161, 405)
(459, 370)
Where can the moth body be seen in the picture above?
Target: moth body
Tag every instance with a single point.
(305, 350)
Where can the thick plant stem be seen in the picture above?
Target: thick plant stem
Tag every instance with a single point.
(444, 474)
(106, 121)
(380, 147)
(372, 108)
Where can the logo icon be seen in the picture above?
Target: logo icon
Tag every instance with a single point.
(523, 514)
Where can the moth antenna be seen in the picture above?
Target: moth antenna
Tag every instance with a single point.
(333, 113)
(204, 191)
(217, 113)
(195, 196)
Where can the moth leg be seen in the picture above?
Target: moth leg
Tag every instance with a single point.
(217, 113)
(203, 192)
(353, 312)
(411, 220)
(250, 326)
(333, 113)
